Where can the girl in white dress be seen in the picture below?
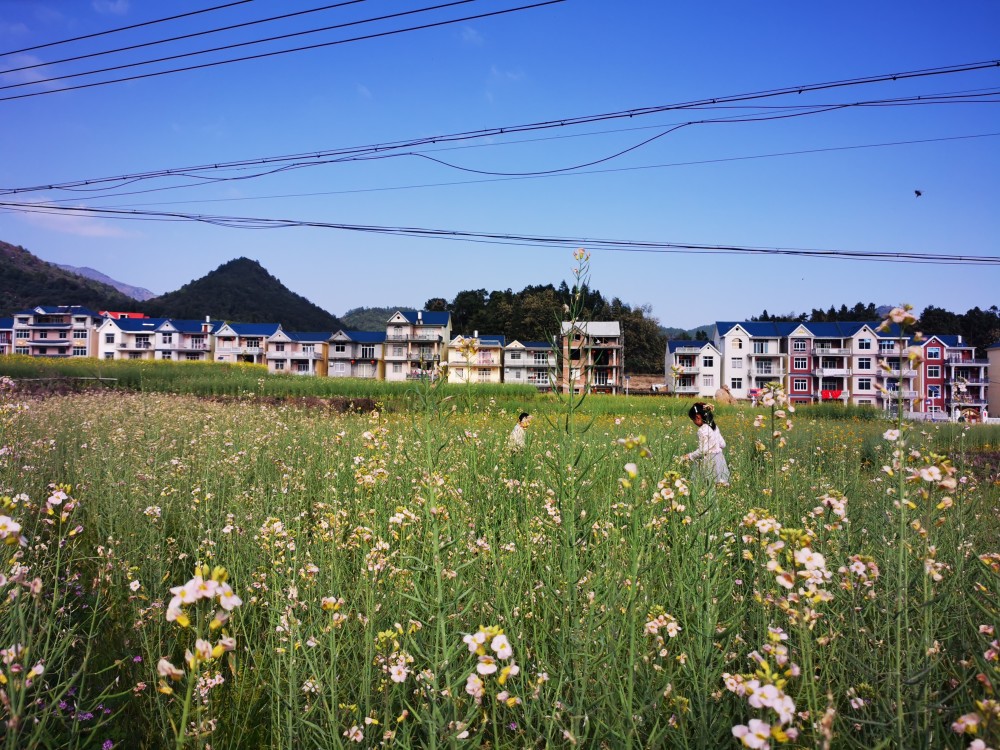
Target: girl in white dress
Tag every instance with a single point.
(710, 443)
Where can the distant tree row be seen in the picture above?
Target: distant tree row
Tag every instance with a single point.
(978, 328)
(535, 313)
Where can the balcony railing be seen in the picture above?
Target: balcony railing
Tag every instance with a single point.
(767, 372)
(135, 345)
(832, 351)
(687, 350)
(960, 361)
(685, 389)
(896, 373)
(413, 337)
(832, 372)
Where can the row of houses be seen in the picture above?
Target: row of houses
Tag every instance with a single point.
(852, 363)
(415, 344)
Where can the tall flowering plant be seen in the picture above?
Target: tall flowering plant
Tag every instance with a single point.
(200, 609)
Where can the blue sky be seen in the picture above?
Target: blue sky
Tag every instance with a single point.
(717, 183)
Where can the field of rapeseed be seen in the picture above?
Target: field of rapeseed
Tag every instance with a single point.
(180, 572)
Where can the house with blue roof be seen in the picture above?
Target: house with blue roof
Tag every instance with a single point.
(964, 390)
(298, 352)
(476, 358)
(356, 354)
(692, 368)
(243, 342)
(531, 363)
(416, 343)
(6, 335)
(156, 338)
(56, 331)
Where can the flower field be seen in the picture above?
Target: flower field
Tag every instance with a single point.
(180, 572)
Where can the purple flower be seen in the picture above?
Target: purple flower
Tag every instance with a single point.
(137, 659)
(108, 744)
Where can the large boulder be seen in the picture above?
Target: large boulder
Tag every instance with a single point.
(725, 396)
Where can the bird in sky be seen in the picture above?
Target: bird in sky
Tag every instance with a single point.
(918, 193)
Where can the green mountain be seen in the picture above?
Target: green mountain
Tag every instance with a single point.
(370, 318)
(242, 291)
(27, 282)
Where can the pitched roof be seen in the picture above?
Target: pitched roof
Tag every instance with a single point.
(309, 336)
(194, 326)
(6, 323)
(59, 310)
(366, 337)
(254, 329)
(952, 341)
(138, 325)
(427, 318)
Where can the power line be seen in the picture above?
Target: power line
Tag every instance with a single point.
(234, 45)
(318, 156)
(124, 28)
(263, 55)
(170, 39)
(720, 160)
(245, 222)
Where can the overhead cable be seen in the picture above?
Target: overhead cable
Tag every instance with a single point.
(125, 28)
(245, 222)
(262, 55)
(503, 130)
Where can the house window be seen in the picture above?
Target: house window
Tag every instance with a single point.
(934, 409)
(197, 342)
(43, 334)
(168, 339)
(801, 385)
(798, 345)
(79, 351)
(737, 343)
(864, 402)
(397, 367)
(933, 391)
(736, 384)
(864, 345)
(484, 375)
(109, 355)
(864, 363)
(21, 350)
(308, 348)
(109, 338)
(279, 365)
(22, 333)
(708, 381)
(800, 363)
(134, 355)
(192, 357)
(517, 374)
(368, 352)
(737, 363)
(23, 321)
(339, 348)
(887, 346)
(933, 352)
(279, 347)
(514, 355)
(760, 347)
(77, 334)
(541, 359)
(397, 351)
(933, 371)
(708, 361)
(340, 368)
(864, 384)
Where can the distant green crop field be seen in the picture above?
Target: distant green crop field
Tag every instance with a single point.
(185, 572)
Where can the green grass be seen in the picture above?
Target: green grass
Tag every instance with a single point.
(421, 518)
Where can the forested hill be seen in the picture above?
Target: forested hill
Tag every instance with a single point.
(242, 291)
(27, 281)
